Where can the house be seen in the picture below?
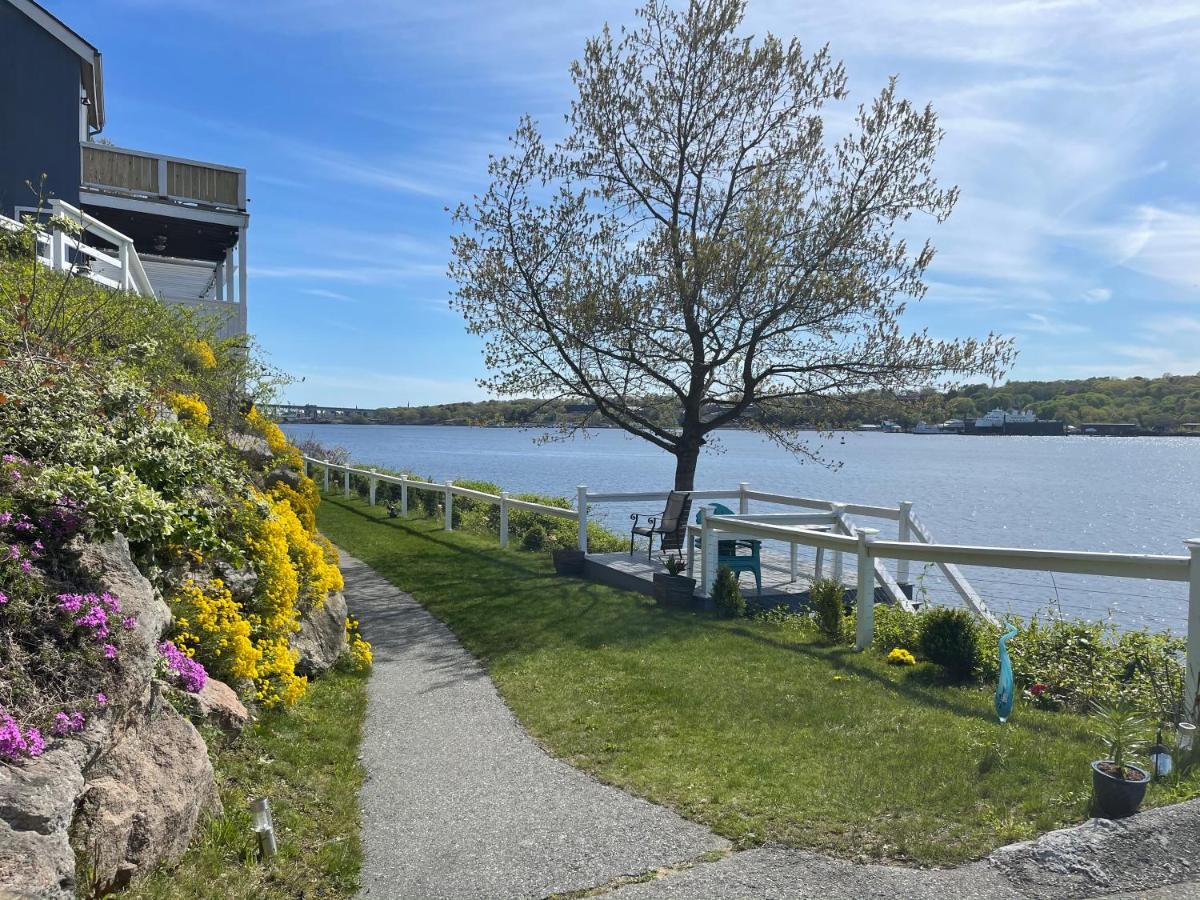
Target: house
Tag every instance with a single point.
(152, 223)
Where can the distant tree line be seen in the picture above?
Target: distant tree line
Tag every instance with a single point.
(1152, 403)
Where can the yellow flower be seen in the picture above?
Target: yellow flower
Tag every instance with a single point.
(190, 408)
(901, 657)
(199, 355)
(360, 650)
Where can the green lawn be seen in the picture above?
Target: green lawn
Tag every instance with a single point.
(306, 761)
(752, 728)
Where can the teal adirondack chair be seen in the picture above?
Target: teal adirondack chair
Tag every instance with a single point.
(727, 552)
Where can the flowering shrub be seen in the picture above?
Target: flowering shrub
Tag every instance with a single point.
(901, 657)
(198, 355)
(209, 626)
(276, 440)
(190, 409)
(360, 650)
(180, 669)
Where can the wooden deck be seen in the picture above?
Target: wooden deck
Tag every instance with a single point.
(636, 573)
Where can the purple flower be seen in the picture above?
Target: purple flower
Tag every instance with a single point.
(110, 601)
(62, 724)
(10, 457)
(14, 552)
(70, 602)
(110, 652)
(36, 743)
(77, 720)
(26, 566)
(187, 673)
(96, 619)
(102, 699)
(15, 475)
(5, 518)
(3, 598)
(129, 623)
(38, 546)
(12, 742)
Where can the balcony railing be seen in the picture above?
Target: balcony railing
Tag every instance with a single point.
(155, 176)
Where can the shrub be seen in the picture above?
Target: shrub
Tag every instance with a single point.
(901, 657)
(727, 595)
(828, 600)
(950, 638)
(534, 539)
(896, 627)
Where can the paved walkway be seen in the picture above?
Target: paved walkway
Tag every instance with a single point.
(460, 802)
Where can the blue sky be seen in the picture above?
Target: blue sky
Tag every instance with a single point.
(1073, 131)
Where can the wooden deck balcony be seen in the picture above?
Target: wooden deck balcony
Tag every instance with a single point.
(170, 179)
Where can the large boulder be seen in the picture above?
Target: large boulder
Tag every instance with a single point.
(321, 639)
(253, 449)
(143, 797)
(281, 474)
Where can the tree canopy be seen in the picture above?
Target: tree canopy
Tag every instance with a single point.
(697, 239)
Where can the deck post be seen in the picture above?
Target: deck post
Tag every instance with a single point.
(449, 506)
(346, 481)
(864, 600)
(794, 565)
(374, 482)
(743, 500)
(838, 569)
(404, 496)
(1193, 631)
(708, 554)
(904, 536)
(819, 565)
(307, 472)
(503, 519)
(126, 265)
(326, 464)
(581, 495)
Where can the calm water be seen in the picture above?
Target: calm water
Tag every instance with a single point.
(1118, 494)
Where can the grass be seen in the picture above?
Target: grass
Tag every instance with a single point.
(754, 729)
(306, 761)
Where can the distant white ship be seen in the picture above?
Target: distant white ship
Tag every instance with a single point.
(926, 428)
(998, 418)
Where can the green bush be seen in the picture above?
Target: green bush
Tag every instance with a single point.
(828, 599)
(534, 539)
(950, 638)
(727, 595)
(896, 627)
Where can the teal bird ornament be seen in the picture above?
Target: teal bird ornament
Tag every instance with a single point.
(1004, 686)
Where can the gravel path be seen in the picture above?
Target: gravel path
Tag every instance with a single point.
(459, 800)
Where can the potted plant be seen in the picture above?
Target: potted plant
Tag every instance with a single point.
(672, 588)
(1117, 784)
(567, 561)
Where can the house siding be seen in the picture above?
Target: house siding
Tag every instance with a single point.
(39, 113)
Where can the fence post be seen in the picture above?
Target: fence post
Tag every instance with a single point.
(326, 477)
(708, 554)
(864, 600)
(838, 569)
(449, 506)
(307, 473)
(581, 495)
(503, 519)
(793, 567)
(346, 481)
(404, 496)
(58, 253)
(374, 482)
(743, 500)
(904, 536)
(819, 565)
(1193, 631)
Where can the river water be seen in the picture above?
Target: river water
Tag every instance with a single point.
(1135, 495)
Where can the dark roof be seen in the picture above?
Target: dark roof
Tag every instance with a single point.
(91, 69)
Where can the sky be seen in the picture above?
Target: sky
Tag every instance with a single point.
(1072, 130)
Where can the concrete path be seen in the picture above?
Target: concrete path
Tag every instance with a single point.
(459, 800)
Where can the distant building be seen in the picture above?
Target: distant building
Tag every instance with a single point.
(1111, 429)
(155, 224)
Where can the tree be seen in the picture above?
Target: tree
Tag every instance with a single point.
(695, 238)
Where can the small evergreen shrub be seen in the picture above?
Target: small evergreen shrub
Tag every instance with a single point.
(727, 595)
(949, 637)
(534, 539)
(896, 627)
(828, 599)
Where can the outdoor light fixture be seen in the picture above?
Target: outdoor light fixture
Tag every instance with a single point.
(264, 827)
(160, 243)
(1160, 757)
(1185, 738)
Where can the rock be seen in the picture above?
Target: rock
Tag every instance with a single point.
(322, 636)
(290, 477)
(251, 448)
(218, 704)
(37, 800)
(143, 797)
(241, 582)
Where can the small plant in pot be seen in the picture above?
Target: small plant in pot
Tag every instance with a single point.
(670, 587)
(1117, 784)
(567, 561)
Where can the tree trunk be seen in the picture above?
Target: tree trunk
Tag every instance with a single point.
(687, 454)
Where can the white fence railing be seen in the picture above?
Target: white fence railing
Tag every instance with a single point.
(831, 530)
(119, 267)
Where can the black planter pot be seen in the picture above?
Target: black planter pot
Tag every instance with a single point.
(674, 590)
(568, 562)
(1117, 797)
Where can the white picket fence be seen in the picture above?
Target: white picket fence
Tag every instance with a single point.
(831, 530)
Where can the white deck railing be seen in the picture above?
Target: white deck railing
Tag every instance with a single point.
(831, 530)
